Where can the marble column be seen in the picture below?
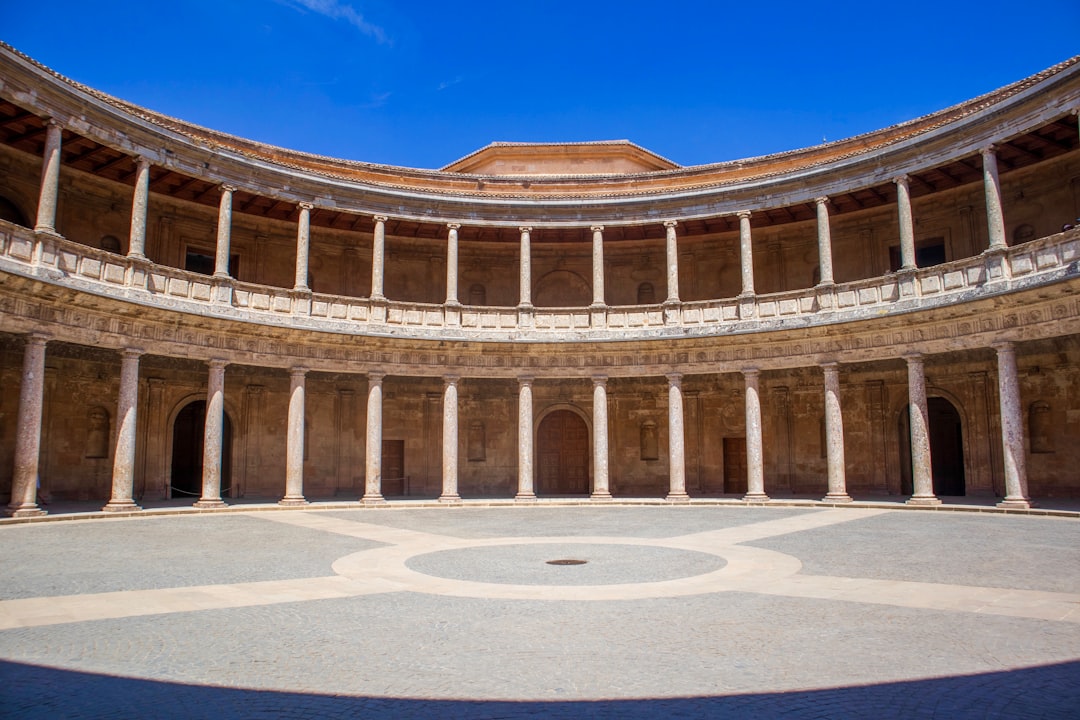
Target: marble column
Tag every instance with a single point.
(755, 453)
(922, 476)
(834, 436)
(452, 264)
(907, 224)
(373, 460)
(224, 232)
(598, 299)
(50, 180)
(1012, 429)
(824, 239)
(140, 204)
(995, 215)
(676, 440)
(525, 440)
(525, 282)
(378, 259)
(303, 247)
(671, 249)
(212, 439)
(450, 441)
(601, 485)
(746, 253)
(123, 476)
(24, 481)
(294, 444)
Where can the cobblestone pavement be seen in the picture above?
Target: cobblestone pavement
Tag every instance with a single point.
(454, 612)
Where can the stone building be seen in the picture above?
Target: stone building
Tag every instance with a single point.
(189, 314)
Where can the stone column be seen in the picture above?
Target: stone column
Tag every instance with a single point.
(224, 232)
(525, 282)
(24, 481)
(922, 476)
(601, 484)
(598, 299)
(140, 204)
(303, 247)
(1012, 429)
(50, 180)
(378, 259)
(995, 215)
(672, 253)
(746, 253)
(450, 441)
(834, 436)
(755, 453)
(907, 225)
(452, 264)
(294, 447)
(123, 476)
(212, 442)
(373, 460)
(525, 440)
(824, 240)
(676, 440)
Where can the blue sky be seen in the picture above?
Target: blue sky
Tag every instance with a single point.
(423, 83)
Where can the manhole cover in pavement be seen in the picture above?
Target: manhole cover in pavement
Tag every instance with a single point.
(567, 561)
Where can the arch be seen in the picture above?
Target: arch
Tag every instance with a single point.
(563, 451)
(12, 213)
(187, 426)
(646, 294)
(477, 294)
(110, 243)
(947, 456)
(562, 288)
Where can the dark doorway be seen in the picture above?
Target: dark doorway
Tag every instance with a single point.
(394, 482)
(563, 454)
(946, 449)
(187, 454)
(735, 466)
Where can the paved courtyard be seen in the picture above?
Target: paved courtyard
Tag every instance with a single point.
(456, 612)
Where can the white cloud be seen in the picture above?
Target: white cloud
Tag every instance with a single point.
(450, 83)
(336, 10)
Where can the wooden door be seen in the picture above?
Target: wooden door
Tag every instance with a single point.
(393, 467)
(735, 465)
(563, 455)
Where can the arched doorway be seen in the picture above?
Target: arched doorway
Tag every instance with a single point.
(562, 443)
(187, 452)
(946, 448)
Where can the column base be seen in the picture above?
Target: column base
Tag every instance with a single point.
(293, 501)
(601, 497)
(924, 500)
(837, 498)
(1017, 503)
(677, 497)
(22, 510)
(525, 497)
(210, 504)
(755, 498)
(450, 499)
(373, 500)
(121, 506)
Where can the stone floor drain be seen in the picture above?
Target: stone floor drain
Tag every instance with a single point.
(567, 561)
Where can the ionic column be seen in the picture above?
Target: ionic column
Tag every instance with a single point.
(50, 180)
(601, 489)
(378, 258)
(922, 475)
(746, 253)
(294, 444)
(139, 205)
(525, 440)
(824, 240)
(672, 253)
(212, 440)
(526, 268)
(676, 440)
(755, 453)
(452, 264)
(450, 441)
(123, 476)
(303, 247)
(24, 481)
(1012, 429)
(995, 215)
(373, 459)
(598, 266)
(834, 436)
(907, 225)
(224, 232)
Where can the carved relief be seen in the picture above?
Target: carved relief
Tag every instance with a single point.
(97, 433)
(650, 445)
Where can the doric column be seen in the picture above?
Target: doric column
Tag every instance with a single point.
(601, 485)
(824, 241)
(995, 215)
(373, 460)
(1012, 429)
(450, 440)
(294, 444)
(224, 232)
(755, 453)
(123, 476)
(671, 250)
(212, 440)
(922, 476)
(140, 203)
(24, 482)
(452, 264)
(525, 282)
(746, 253)
(303, 247)
(907, 225)
(834, 436)
(378, 259)
(50, 180)
(525, 440)
(676, 440)
(598, 266)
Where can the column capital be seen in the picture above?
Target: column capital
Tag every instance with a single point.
(674, 378)
(1004, 346)
(306, 206)
(379, 218)
(525, 229)
(988, 150)
(526, 380)
(902, 180)
(451, 380)
(830, 366)
(599, 380)
(217, 363)
(913, 358)
(298, 371)
(454, 226)
(53, 122)
(743, 214)
(227, 188)
(597, 228)
(750, 372)
(375, 377)
(670, 223)
(132, 352)
(37, 338)
(821, 200)
(141, 161)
